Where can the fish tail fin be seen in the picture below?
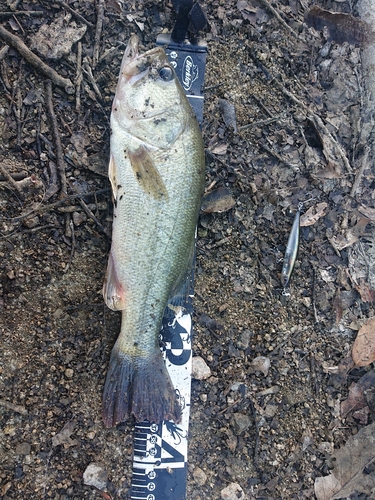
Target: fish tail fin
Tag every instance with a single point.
(140, 386)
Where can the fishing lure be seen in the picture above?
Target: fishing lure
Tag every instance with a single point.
(291, 251)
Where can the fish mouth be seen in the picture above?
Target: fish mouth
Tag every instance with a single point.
(136, 66)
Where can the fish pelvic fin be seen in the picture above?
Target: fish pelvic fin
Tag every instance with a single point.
(113, 292)
(140, 386)
(147, 174)
(112, 174)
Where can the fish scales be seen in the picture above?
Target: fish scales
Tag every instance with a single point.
(157, 175)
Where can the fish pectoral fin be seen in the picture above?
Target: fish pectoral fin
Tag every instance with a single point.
(112, 174)
(113, 291)
(147, 174)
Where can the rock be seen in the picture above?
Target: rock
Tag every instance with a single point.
(220, 200)
(240, 423)
(95, 475)
(260, 364)
(200, 370)
(69, 373)
(244, 340)
(232, 492)
(200, 476)
(23, 449)
(78, 218)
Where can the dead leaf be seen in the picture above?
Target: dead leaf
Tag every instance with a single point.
(362, 415)
(325, 487)
(219, 149)
(313, 214)
(348, 475)
(363, 351)
(219, 200)
(367, 212)
(63, 437)
(228, 111)
(330, 171)
(341, 27)
(363, 288)
(352, 235)
(344, 367)
(55, 40)
(366, 292)
(337, 306)
(341, 241)
(355, 401)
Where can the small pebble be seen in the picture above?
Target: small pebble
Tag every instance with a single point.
(69, 373)
(23, 449)
(244, 340)
(95, 475)
(200, 476)
(260, 364)
(240, 423)
(232, 492)
(78, 218)
(200, 370)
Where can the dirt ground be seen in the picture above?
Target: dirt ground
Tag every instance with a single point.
(301, 134)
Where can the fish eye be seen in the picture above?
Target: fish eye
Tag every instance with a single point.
(166, 73)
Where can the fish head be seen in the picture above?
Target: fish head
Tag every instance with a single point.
(149, 101)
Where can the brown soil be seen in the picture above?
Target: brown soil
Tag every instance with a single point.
(56, 333)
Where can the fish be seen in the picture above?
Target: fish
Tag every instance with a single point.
(291, 251)
(157, 174)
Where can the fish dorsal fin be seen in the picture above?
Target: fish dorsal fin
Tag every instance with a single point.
(147, 174)
(112, 174)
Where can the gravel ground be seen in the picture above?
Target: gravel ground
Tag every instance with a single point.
(285, 123)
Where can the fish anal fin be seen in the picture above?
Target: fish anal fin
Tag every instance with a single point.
(147, 174)
(113, 291)
(182, 287)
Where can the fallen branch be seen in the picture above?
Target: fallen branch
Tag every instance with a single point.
(46, 208)
(35, 61)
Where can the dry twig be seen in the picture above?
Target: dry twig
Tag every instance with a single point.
(10, 179)
(274, 12)
(78, 81)
(46, 208)
(20, 12)
(14, 407)
(76, 14)
(56, 136)
(364, 166)
(98, 32)
(35, 61)
(91, 78)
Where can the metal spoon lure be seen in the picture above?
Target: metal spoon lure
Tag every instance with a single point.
(291, 252)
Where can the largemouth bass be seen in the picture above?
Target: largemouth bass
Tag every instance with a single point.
(156, 171)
